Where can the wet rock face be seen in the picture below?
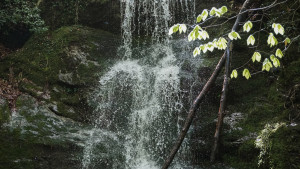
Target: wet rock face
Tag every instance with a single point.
(36, 137)
(55, 72)
(60, 67)
(103, 14)
(100, 14)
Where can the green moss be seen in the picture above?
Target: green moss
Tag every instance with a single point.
(22, 151)
(44, 55)
(66, 111)
(13, 153)
(290, 75)
(4, 113)
(247, 151)
(285, 148)
(63, 63)
(261, 101)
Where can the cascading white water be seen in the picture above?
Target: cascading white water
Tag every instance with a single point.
(140, 99)
(152, 18)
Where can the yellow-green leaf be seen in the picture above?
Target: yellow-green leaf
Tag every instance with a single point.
(279, 53)
(256, 56)
(196, 52)
(218, 13)
(267, 65)
(234, 74)
(192, 36)
(223, 9)
(202, 16)
(204, 35)
(173, 29)
(182, 28)
(272, 41)
(287, 41)
(222, 43)
(203, 48)
(251, 40)
(210, 46)
(275, 61)
(212, 11)
(272, 57)
(195, 33)
(278, 28)
(247, 26)
(234, 35)
(246, 74)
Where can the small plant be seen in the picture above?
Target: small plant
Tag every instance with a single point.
(263, 141)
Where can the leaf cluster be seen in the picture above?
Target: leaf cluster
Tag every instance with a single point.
(16, 14)
(198, 33)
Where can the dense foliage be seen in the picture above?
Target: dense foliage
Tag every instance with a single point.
(18, 14)
(18, 19)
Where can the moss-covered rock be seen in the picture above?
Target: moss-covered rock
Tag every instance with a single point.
(36, 137)
(4, 111)
(61, 66)
(264, 99)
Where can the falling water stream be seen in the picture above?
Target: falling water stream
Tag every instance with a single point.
(139, 100)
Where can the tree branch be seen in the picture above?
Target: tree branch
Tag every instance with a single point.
(192, 111)
(204, 91)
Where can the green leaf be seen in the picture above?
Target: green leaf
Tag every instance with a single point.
(203, 35)
(215, 43)
(173, 29)
(218, 13)
(246, 74)
(212, 11)
(247, 26)
(199, 18)
(192, 36)
(275, 61)
(234, 35)
(222, 43)
(279, 53)
(234, 74)
(287, 41)
(197, 28)
(256, 56)
(195, 33)
(251, 40)
(267, 65)
(182, 28)
(223, 9)
(272, 41)
(202, 16)
(210, 46)
(272, 57)
(203, 48)
(196, 52)
(278, 28)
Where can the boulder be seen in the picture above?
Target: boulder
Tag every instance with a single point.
(61, 67)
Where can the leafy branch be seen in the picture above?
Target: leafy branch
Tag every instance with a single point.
(199, 32)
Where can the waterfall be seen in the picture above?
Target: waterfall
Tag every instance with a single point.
(152, 18)
(140, 100)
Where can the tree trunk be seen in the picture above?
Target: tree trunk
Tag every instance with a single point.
(221, 113)
(203, 92)
(222, 108)
(192, 111)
